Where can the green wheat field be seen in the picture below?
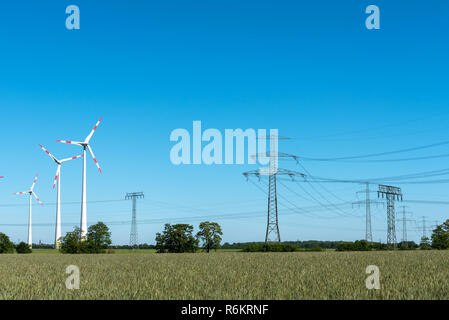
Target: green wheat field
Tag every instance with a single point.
(227, 275)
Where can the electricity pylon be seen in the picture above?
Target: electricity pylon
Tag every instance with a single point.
(404, 225)
(272, 233)
(404, 221)
(367, 203)
(391, 194)
(133, 235)
(423, 227)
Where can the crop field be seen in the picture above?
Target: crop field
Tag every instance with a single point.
(227, 275)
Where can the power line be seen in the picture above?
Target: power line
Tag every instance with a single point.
(348, 181)
(233, 215)
(352, 132)
(65, 203)
(285, 186)
(427, 202)
(377, 154)
(319, 184)
(319, 202)
(303, 210)
(390, 179)
(445, 155)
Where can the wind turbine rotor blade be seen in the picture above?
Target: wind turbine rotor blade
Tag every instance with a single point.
(37, 198)
(46, 151)
(21, 192)
(70, 142)
(92, 132)
(57, 175)
(93, 157)
(35, 179)
(68, 159)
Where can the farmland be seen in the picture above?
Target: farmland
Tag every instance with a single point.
(227, 275)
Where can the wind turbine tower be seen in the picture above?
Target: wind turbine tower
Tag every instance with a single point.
(85, 145)
(31, 194)
(58, 194)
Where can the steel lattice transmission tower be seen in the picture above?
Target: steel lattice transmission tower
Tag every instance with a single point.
(424, 227)
(404, 225)
(367, 203)
(391, 194)
(404, 221)
(272, 233)
(133, 235)
(369, 232)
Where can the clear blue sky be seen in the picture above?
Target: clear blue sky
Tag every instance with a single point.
(307, 68)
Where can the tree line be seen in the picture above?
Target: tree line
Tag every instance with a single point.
(179, 238)
(97, 240)
(176, 238)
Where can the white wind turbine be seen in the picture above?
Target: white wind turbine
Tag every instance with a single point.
(58, 194)
(30, 193)
(85, 146)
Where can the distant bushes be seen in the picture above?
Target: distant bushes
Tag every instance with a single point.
(277, 247)
(23, 248)
(144, 246)
(43, 246)
(407, 245)
(302, 245)
(315, 245)
(314, 249)
(358, 245)
(270, 247)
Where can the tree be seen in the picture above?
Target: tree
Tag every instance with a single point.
(71, 243)
(210, 234)
(440, 236)
(176, 239)
(6, 246)
(425, 244)
(23, 248)
(97, 240)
